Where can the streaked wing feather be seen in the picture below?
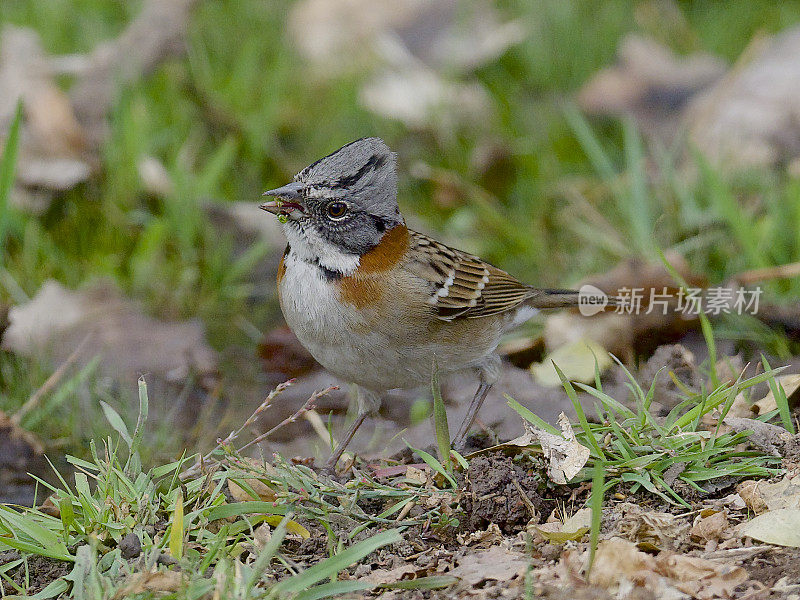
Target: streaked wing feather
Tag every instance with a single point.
(462, 285)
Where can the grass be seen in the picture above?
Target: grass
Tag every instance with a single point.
(637, 451)
(244, 548)
(189, 520)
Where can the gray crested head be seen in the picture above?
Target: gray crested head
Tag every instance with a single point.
(348, 198)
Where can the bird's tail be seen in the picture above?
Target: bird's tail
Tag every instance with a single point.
(540, 299)
(553, 298)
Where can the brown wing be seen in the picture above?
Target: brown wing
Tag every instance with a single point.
(462, 285)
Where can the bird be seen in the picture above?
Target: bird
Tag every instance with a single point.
(382, 306)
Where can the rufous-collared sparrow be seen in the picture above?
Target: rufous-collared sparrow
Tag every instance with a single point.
(378, 304)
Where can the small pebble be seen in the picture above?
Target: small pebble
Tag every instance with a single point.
(424, 560)
(551, 551)
(362, 571)
(130, 546)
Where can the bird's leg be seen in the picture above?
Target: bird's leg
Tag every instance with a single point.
(368, 404)
(488, 374)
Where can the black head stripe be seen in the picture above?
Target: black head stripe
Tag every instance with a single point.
(376, 161)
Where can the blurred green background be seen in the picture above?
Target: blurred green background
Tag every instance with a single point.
(522, 183)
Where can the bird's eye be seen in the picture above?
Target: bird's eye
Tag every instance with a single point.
(337, 210)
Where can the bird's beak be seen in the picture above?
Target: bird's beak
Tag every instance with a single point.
(287, 199)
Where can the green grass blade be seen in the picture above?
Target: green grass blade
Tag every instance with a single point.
(54, 589)
(435, 465)
(440, 425)
(584, 422)
(636, 204)
(530, 417)
(330, 567)
(596, 504)
(244, 508)
(116, 421)
(705, 324)
(432, 582)
(334, 588)
(7, 170)
(144, 409)
(176, 538)
(780, 398)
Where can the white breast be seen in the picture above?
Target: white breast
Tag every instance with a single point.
(378, 354)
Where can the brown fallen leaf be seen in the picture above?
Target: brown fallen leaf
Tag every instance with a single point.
(158, 582)
(481, 539)
(419, 97)
(618, 562)
(53, 143)
(565, 456)
(781, 494)
(156, 34)
(448, 36)
(750, 491)
(712, 527)
(650, 83)
(129, 342)
(262, 490)
(381, 576)
(739, 122)
(496, 564)
(700, 578)
(650, 529)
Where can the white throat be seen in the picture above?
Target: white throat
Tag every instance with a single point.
(316, 249)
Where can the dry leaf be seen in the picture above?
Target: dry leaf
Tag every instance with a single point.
(576, 360)
(160, 581)
(713, 527)
(750, 491)
(262, 535)
(488, 537)
(381, 576)
(565, 457)
(420, 476)
(781, 527)
(766, 436)
(790, 384)
(421, 98)
(130, 342)
(649, 82)
(618, 561)
(262, 490)
(291, 526)
(781, 494)
(743, 122)
(52, 141)
(573, 528)
(651, 529)
(49, 507)
(496, 563)
(700, 578)
(741, 407)
(156, 34)
(449, 35)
